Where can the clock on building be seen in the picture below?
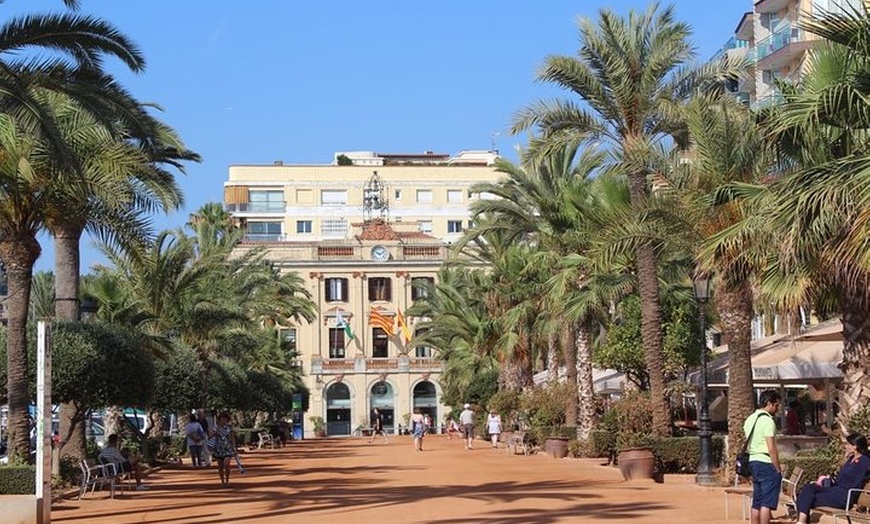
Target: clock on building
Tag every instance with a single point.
(380, 253)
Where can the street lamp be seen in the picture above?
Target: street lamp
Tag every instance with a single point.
(701, 288)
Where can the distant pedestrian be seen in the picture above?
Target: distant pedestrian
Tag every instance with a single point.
(493, 426)
(224, 446)
(418, 427)
(202, 418)
(466, 420)
(195, 440)
(378, 426)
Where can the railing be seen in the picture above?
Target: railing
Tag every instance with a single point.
(335, 252)
(337, 364)
(418, 363)
(421, 251)
(256, 207)
(264, 237)
(386, 364)
(769, 100)
(730, 45)
(778, 40)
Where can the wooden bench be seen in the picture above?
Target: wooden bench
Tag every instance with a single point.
(857, 512)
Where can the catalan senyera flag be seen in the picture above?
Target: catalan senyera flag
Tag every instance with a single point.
(403, 326)
(377, 319)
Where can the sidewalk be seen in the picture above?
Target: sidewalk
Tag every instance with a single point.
(348, 480)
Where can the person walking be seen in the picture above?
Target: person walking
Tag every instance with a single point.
(224, 446)
(834, 492)
(760, 430)
(378, 426)
(466, 420)
(202, 418)
(195, 440)
(418, 427)
(493, 427)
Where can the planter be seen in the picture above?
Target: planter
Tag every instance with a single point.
(637, 463)
(556, 447)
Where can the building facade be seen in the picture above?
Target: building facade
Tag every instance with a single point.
(366, 233)
(771, 38)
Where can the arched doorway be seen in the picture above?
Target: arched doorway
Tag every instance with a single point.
(425, 397)
(382, 398)
(338, 414)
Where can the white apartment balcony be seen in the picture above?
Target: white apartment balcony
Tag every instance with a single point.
(781, 48)
(256, 207)
(733, 47)
(772, 6)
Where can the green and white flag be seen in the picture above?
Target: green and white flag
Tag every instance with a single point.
(342, 323)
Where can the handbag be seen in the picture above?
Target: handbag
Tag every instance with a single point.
(742, 464)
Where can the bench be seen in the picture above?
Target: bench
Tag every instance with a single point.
(266, 439)
(859, 512)
(788, 494)
(93, 475)
(515, 441)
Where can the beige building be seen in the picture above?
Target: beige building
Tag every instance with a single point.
(770, 36)
(366, 233)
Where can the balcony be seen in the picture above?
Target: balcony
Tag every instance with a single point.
(767, 101)
(781, 48)
(256, 207)
(400, 364)
(421, 252)
(335, 252)
(772, 6)
(264, 237)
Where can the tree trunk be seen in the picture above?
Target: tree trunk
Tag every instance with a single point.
(651, 315)
(585, 391)
(553, 353)
(855, 389)
(18, 255)
(66, 307)
(733, 302)
(571, 375)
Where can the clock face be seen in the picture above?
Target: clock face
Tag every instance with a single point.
(380, 253)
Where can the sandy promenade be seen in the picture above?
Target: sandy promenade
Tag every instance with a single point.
(350, 481)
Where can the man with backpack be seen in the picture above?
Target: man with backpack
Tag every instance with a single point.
(760, 431)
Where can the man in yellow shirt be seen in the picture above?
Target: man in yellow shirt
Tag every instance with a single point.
(763, 457)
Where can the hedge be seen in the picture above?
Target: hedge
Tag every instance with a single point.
(17, 480)
(813, 466)
(682, 454)
(602, 443)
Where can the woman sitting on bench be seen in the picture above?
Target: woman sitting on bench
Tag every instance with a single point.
(828, 492)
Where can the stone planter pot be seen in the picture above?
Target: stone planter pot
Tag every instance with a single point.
(637, 463)
(556, 447)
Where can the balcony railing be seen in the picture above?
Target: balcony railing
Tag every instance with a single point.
(256, 207)
(769, 100)
(778, 40)
(333, 252)
(400, 364)
(421, 251)
(264, 237)
(730, 45)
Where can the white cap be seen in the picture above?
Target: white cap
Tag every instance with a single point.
(467, 406)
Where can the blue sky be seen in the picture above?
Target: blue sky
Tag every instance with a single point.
(265, 80)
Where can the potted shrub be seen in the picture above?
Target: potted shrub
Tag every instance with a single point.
(318, 426)
(546, 415)
(633, 418)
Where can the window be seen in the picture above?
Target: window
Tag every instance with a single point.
(424, 196)
(336, 289)
(397, 194)
(303, 226)
(420, 287)
(333, 197)
(422, 351)
(454, 196)
(380, 343)
(288, 338)
(454, 226)
(380, 289)
(264, 231)
(266, 201)
(425, 226)
(333, 228)
(336, 342)
(471, 224)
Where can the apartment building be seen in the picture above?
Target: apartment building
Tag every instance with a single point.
(770, 37)
(366, 233)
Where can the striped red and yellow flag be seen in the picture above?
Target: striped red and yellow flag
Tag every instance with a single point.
(377, 319)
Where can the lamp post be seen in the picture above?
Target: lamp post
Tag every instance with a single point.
(701, 288)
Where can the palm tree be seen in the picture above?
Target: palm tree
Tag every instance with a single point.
(629, 75)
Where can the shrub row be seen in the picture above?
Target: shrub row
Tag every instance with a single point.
(813, 466)
(17, 480)
(682, 454)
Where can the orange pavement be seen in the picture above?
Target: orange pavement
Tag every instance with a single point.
(350, 481)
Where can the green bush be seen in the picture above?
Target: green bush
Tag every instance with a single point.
(632, 416)
(602, 443)
(682, 454)
(17, 480)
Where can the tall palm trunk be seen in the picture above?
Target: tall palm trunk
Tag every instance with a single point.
(855, 317)
(553, 352)
(571, 374)
(66, 307)
(733, 302)
(19, 255)
(651, 316)
(585, 390)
